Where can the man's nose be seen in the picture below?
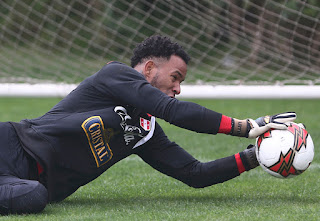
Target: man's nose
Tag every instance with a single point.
(177, 89)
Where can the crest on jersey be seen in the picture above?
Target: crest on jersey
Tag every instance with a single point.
(136, 130)
(145, 124)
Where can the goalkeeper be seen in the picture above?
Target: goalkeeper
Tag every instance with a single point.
(110, 116)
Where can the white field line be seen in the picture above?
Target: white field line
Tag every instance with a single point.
(314, 166)
(187, 91)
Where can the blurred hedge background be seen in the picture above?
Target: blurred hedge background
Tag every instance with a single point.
(272, 34)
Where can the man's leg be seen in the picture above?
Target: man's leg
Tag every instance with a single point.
(18, 194)
(21, 196)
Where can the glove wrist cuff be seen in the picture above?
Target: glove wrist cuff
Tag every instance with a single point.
(240, 128)
(249, 158)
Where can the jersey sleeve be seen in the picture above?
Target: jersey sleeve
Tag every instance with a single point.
(128, 86)
(164, 155)
(169, 158)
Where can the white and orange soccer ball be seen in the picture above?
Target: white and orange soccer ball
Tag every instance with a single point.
(285, 153)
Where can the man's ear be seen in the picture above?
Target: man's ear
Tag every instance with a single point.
(148, 67)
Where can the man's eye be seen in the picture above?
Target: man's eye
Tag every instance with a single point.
(174, 77)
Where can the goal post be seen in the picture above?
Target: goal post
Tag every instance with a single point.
(48, 47)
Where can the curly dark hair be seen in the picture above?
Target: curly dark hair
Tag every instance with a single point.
(157, 46)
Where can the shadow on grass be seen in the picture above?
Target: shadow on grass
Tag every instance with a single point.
(125, 201)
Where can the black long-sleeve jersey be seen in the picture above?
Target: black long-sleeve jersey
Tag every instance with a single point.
(108, 117)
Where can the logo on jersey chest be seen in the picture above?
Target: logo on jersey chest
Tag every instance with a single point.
(94, 129)
(133, 128)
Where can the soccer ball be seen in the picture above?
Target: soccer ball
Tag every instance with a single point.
(285, 153)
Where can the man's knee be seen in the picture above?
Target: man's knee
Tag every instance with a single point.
(23, 196)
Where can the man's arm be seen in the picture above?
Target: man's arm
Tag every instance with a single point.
(127, 86)
(169, 158)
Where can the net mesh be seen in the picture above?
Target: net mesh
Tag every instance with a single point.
(230, 42)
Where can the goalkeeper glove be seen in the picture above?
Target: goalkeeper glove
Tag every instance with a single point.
(263, 124)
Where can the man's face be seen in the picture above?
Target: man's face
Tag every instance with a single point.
(167, 75)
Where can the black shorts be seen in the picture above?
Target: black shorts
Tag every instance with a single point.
(14, 161)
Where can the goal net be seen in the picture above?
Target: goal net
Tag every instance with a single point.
(49, 44)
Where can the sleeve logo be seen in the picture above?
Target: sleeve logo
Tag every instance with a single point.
(94, 129)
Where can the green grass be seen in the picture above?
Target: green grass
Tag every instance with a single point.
(132, 190)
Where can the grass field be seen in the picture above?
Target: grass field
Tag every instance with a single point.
(132, 190)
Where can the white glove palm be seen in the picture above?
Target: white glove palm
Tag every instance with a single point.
(263, 124)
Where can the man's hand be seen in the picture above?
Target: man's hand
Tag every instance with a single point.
(263, 124)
